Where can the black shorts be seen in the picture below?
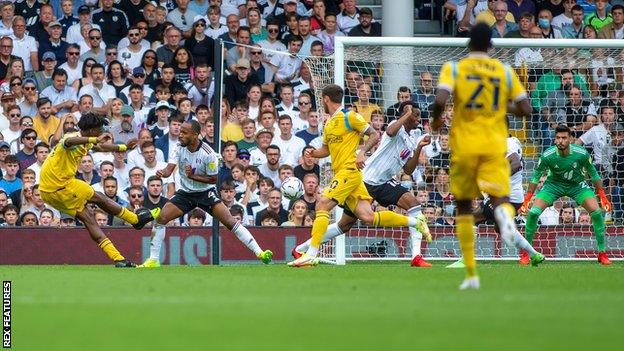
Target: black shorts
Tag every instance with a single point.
(386, 194)
(488, 213)
(205, 200)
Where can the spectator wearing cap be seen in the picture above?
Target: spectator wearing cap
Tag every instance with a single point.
(182, 17)
(366, 26)
(24, 45)
(290, 146)
(312, 131)
(6, 47)
(199, 44)
(248, 141)
(287, 67)
(115, 21)
(84, 17)
(45, 123)
(54, 44)
(44, 78)
(349, 17)
(7, 99)
(5, 150)
(244, 158)
(290, 9)
(31, 95)
(63, 97)
(101, 92)
(162, 112)
(128, 128)
(258, 153)
(237, 85)
(131, 55)
(14, 129)
(72, 65)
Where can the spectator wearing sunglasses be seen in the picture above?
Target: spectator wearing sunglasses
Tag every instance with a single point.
(54, 44)
(14, 129)
(131, 55)
(72, 65)
(199, 44)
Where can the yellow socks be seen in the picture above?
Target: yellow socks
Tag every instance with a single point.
(128, 216)
(466, 236)
(110, 250)
(389, 219)
(321, 222)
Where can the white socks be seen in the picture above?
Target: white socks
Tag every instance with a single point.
(246, 238)
(158, 236)
(522, 243)
(506, 225)
(332, 231)
(415, 235)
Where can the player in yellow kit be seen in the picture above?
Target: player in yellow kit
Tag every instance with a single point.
(484, 91)
(341, 137)
(60, 189)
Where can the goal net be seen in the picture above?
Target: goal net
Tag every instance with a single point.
(569, 81)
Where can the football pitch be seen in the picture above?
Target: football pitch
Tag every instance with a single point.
(557, 306)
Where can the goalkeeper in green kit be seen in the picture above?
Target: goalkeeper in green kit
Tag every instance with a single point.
(566, 164)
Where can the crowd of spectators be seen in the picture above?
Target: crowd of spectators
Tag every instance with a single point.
(148, 66)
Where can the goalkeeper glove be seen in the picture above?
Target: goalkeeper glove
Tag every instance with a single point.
(604, 201)
(525, 205)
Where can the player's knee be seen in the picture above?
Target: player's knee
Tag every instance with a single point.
(324, 204)
(535, 212)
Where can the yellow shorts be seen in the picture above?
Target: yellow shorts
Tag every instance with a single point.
(347, 188)
(69, 199)
(473, 174)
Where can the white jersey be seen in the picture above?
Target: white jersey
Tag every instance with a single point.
(204, 161)
(517, 194)
(391, 155)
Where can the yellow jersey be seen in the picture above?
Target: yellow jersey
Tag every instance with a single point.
(481, 87)
(342, 134)
(61, 164)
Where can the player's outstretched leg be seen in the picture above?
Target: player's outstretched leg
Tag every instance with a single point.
(319, 228)
(87, 217)
(168, 213)
(137, 220)
(504, 214)
(222, 214)
(333, 230)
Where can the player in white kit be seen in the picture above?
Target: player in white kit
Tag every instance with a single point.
(399, 149)
(486, 212)
(198, 166)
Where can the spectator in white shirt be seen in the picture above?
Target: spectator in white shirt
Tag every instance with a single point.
(272, 42)
(287, 67)
(101, 92)
(215, 28)
(84, 17)
(308, 38)
(73, 66)
(270, 169)
(287, 106)
(131, 55)
(290, 145)
(8, 11)
(24, 46)
(349, 17)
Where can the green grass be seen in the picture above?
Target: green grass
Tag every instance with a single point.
(561, 306)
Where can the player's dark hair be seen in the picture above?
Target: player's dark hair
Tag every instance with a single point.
(334, 92)
(195, 127)
(480, 38)
(562, 128)
(92, 120)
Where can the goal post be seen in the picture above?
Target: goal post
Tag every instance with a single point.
(386, 64)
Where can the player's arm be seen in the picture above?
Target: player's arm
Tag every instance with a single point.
(202, 178)
(110, 147)
(80, 140)
(537, 174)
(514, 163)
(446, 82)
(373, 139)
(394, 127)
(598, 185)
(520, 105)
(166, 172)
(411, 164)
(322, 152)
